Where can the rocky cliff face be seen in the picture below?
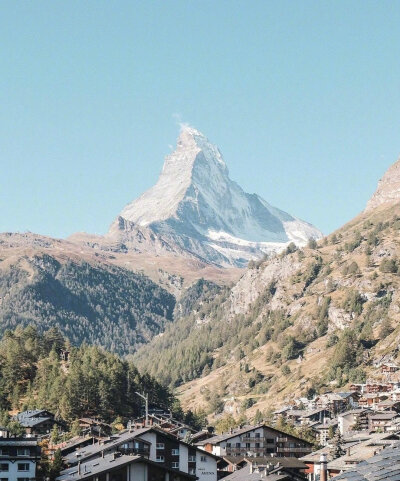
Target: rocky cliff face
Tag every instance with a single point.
(195, 209)
(388, 191)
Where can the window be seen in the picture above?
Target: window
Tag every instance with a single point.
(3, 479)
(160, 446)
(247, 445)
(23, 452)
(23, 466)
(175, 465)
(175, 452)
(270, 441)
(3, 466)
(257, 435)
(238, 445)
(160, 459)
(228, 445)
(192, 458)
(203, 458)
(192, 470)
(257, 445)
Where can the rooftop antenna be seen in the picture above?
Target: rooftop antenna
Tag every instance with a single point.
(146, 400)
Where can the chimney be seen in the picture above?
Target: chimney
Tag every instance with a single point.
(79, 467)
(323, 469)
(251, 468)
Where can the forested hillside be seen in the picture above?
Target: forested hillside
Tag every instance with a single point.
(93, 382)
(305, 320)
(98, 303)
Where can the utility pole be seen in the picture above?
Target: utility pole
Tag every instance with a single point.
(146, 400)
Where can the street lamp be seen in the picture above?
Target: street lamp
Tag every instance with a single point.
(146, 400)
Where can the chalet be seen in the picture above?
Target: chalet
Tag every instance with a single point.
(261, 440)
(37, 422)
(95, 427)
(381, 421)
(357, 388)
(323, 430)
(273, 471)
(312, 462)
(353, 420)
(302, 416)
(389, 368)
(155, 445)
(290, 465)
(19, 458)
(377, 387)
(166, 423)
(333, 402)
(371, 400)
(123, 467)
(77, 442)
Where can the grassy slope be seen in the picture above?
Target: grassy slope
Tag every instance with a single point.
(300, 304)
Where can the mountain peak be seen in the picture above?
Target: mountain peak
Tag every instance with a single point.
(196, 206)
(388, 190)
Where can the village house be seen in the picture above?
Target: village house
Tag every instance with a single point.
(95, 427)
(156, 445)
(121, 467)
(303, 416)
(389, 368)
(166, 423)
(323, 430)
(37, 422)
(381, 421)
(256, 469)
(353, 420)
(261, 440)
(19, 458)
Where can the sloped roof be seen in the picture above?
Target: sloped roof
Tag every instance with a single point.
(245, 475)
(384, 466)
(109, 462)
(237, 432)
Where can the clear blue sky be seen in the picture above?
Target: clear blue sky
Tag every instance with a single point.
(302, 97)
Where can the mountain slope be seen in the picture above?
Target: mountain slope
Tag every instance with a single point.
(89, 301)
(306, 319)
(195, 209)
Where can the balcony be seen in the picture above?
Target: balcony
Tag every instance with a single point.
(134, 451)
(294, 450)
(252, 439)
(236, 450)
(281, 440)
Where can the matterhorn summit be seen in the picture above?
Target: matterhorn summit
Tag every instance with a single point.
(196, 210)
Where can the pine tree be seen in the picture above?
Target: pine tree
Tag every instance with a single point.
(337, 446)
(56, 465)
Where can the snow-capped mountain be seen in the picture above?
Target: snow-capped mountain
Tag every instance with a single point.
(195, 209)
